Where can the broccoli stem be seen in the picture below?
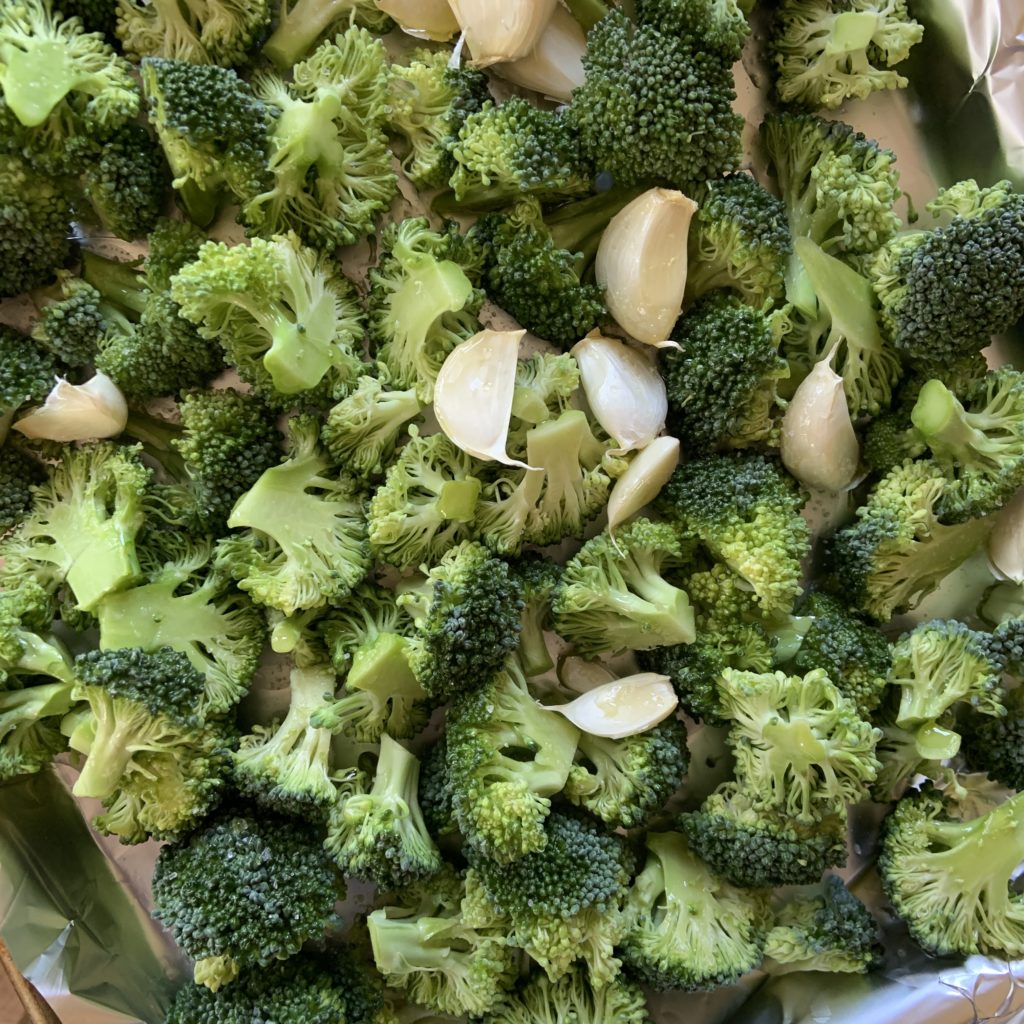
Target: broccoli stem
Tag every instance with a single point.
(458, 498)
(121, 728)
(23, 707)
(943, 422)
(578, 226)
(384, 658)
(397, 782)
(403, 945)
(533, 649)
(299, 28)
(155, 435)
(587, 12)
(119, 283)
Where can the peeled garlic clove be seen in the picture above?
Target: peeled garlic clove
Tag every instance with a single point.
(555, 67)
(640, 484)
(624, 390)
(641, 263)
(502, 32)
(1006, 541)
(581, 675)
(622, 708)
(424, 19)
(473, 394)
(78, 412)
(819, 446)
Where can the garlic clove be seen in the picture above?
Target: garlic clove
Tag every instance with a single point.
(641, 263)
(1006, 541)
(555, 66)
(640, 484)
(423, 19)
(624, 390)
(819, 446)
(474, 391)
(502, 32)
(625, 707)
(78, 412)
(580, 674)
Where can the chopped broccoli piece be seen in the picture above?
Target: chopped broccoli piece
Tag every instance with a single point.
(30, 735)
(305, 21)
(996, 744)
(27, 372)
(71, 326)
(19, 473)
(716, 25)
(538, 577)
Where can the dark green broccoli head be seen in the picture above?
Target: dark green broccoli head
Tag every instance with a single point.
(435, 792)
(655, 106)
(244, 891)
(996, 745)
(27, 371)
(19, 472)
(855, 655)
(71, 327)
(716, 25)
(721, 381)
(756, 847)
(172, 244)
(538, 578)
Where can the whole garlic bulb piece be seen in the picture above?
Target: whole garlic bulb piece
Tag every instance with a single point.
(555, 67)
(473, 394)
(819, 446)
(78, 412)
(641, 263)
(640, 484)
(625, 707)
(497, 32)
(624, 390)
(422, 19)
(1006, 541)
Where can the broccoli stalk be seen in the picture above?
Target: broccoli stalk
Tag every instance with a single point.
(301, 24)
(29, 736)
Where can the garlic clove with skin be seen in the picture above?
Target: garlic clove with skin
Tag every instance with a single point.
(639, 485)
(555, 66)
(422, 19)
(78, 412)
(624, 390)
(474, 391)
(819, 446)
(624, 707)
(504, 31)
(642, 263)
(1006, 541)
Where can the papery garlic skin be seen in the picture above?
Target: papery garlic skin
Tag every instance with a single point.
(473, 394)
(1006, 541)
(505, 31)
(78, 412)
(555, 67)
(643, 480)
(624, 390)
(625, 707)
(819, 445)
(642, 262)
(422, 19)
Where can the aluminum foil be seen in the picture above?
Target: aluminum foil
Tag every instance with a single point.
(74, 906)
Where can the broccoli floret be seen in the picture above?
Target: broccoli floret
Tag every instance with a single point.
(537, 266)
(980, 448)
(27, 647)
(572, 998)
(854, 654)
(430, 101)
(139, 703)
(213, 131)
(125, 183)
(950, 880)
(82, 527)
(377, 831)
(739, 239)
(716, 25)
(362, 431)
(285, 766)
(801, 749)
(538, 577)
(829, 51)
(897, 551)
(286, 318)
(688, 929)
(937, 665)
(422, 303)
(827, 929)
(506, 757)
(426, 503)
(318, 552)
(27, 372)
(218, 32)
(623, 782)
(64, 90)
(746, 511)
(613, 594)
(35, 225)
(564, 902)
(435, 794)
(721, 381)
(19, 473)
(428, 946)
(184, 605)
(516, 149)
(244, 891)
(329, 160)
(996, 745)
(71, 326)
(945, 292)
(96, 15)
(30, 719)
(309, 988)
(305, 21)
(899, 753)
(655, 105)
(756, 847)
